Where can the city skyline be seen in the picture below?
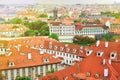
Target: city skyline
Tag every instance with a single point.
(59, 1)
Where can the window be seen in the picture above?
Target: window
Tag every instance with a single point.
(6, 74)
(88, 74)
(46, 68)
(97, 76)
(113, 55)
(23, 71)
(45, 60)
(41, 69)
(18, 72)
(11, 64)
(100, 53)
(89, 52)
(12, 74)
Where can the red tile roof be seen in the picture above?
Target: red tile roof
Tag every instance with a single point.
(80, 26)
(22, 53)
(94, 64)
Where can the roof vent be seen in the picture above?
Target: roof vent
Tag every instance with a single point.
(97, 43)
(106, 44)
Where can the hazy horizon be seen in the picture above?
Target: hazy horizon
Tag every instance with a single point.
(59, 1)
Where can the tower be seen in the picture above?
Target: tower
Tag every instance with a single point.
(55, 13)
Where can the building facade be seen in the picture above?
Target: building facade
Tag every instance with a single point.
(65, 32)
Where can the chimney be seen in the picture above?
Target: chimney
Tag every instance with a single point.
(29, 56)
(41, 51)
(97, 43)
(105, 72)
(106, 44)
(109, 61)
(103, 62)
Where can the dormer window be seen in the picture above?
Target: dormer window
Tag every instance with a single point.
(88, 74)
(74, 50)
(41, 46)
(45, 60)
(89, 52)
(81, 51)
(55, 47)
(61, 48)
(11, 64)
(113, 55)
(50, 46)
(97, 76)
(22, 53)
(68, 49)
(100, 53)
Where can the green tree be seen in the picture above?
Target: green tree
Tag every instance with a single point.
(31, 33)
(54, 36)
(83, 40)
(97, 21)
(78, 20)
(14, 21)
(107, 37)
(44, 30)
(44, 15)
(51, 71)
(85, 21)
(22, 78)
(37, 28)
(14, 27)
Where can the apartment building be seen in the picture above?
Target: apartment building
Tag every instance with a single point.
(90, 29)
(67, 32)
(64, 31)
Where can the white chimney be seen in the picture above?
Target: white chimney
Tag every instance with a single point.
(41, 51)
(29, 56)
(106, 44)
(97, 43)
(103, 62)
(105, 72)
(109, 61)
(107, 24)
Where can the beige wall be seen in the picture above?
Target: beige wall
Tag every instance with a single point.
(34, 71)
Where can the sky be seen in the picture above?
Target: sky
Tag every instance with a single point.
(58, 1)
